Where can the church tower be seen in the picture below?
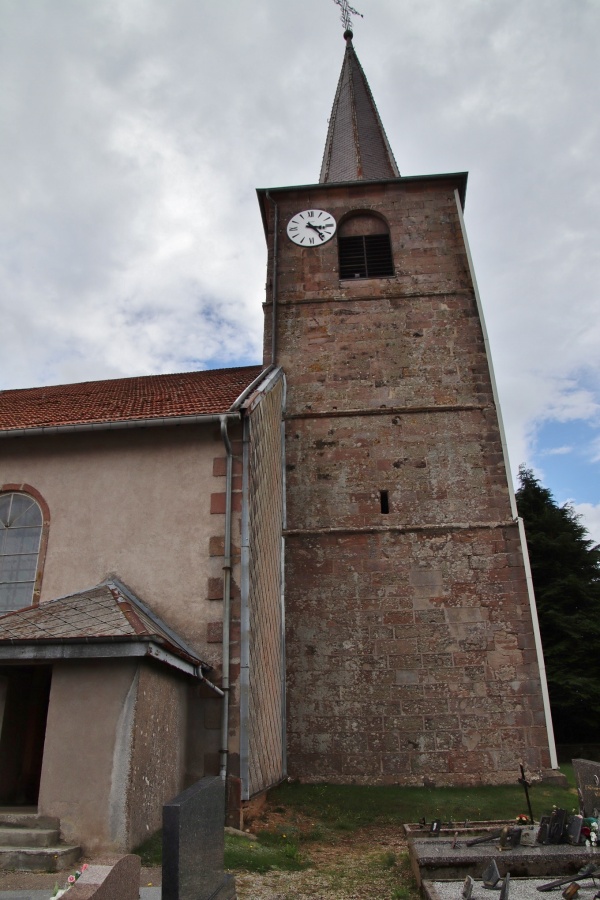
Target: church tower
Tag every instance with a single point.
(413, 652)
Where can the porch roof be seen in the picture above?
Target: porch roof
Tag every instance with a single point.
(107, 620)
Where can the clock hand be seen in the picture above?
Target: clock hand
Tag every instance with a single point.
(317, 228)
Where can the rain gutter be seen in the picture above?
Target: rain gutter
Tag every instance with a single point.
(513, 502)
(157, 422)
(20, 650)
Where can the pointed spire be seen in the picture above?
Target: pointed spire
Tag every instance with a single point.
(357, 148)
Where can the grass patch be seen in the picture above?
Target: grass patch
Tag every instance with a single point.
(151, 850)
(271, 851)
(346, 807)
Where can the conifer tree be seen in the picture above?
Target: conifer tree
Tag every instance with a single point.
(565, 567)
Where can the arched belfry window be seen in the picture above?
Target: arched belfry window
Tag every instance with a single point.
(365, 248)
(21, 527)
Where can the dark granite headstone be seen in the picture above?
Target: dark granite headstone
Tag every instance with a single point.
(505, 887)
(467, 888)
(490, 875)
(194, 844)
(542, 837)
(556, 829)
(574, 829)
(587, 774)
(436, 827)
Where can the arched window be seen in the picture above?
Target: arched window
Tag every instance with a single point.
(21, 526)
(365, 248)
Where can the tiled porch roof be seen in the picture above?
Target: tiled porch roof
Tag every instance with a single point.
(109, 612)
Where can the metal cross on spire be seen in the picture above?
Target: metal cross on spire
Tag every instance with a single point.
(347, 12)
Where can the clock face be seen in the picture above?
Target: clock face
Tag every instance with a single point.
(311, 228)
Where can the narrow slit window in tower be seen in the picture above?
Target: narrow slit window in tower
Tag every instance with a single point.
(384, 502)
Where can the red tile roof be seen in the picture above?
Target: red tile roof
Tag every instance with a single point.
(125, 399)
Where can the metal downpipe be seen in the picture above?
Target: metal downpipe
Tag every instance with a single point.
(226, 602)
(274, 282)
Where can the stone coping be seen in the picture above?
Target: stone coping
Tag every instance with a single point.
(520, 889)
(435, 858)
(147, 893)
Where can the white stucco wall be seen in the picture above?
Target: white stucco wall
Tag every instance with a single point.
(135, 504)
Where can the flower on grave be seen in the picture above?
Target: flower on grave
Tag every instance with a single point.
(522, 819)
(59, 892)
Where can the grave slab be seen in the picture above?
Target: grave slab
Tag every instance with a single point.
(120, 881)
(520, 889)
(448, 857)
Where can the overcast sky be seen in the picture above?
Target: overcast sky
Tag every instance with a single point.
(134, 132)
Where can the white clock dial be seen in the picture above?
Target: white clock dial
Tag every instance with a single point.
(311, 228)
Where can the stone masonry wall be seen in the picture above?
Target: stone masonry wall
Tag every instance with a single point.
(410, 649)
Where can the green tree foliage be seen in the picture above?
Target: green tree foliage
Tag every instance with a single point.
(565, 566)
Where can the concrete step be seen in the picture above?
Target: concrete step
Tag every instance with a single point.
(39, 859)
(12, 836)
(26, 817)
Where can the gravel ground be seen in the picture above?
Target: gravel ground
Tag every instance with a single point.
(368, 863)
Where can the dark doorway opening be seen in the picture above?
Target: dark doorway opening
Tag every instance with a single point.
(25, 691)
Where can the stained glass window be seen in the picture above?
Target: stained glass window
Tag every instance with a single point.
(20, 536)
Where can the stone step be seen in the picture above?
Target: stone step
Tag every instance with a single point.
(26, 817)
(39, 859)
(13, 836)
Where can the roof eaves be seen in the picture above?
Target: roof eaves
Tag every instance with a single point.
(119, 424)
(460, 177)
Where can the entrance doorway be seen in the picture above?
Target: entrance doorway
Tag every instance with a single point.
(25, 692)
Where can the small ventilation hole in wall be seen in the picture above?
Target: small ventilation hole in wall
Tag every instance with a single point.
(384, 501)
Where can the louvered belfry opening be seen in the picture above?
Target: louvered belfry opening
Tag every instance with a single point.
(365, 249)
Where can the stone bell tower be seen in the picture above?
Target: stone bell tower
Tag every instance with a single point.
(413, 651)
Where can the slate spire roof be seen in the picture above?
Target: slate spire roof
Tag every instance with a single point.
(357, 148)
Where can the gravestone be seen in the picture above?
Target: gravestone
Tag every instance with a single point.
(505, 887)
(120, 881)
(556, 828)
(587, 774)
(490, 875)
(574, 829)
(194, 844)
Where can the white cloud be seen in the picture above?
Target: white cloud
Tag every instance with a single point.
(590, 517)
(556, 451)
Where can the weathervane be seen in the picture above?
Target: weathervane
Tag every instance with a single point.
(346, 15)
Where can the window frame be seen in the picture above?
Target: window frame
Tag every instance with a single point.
(35, 495)
(362, 249)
